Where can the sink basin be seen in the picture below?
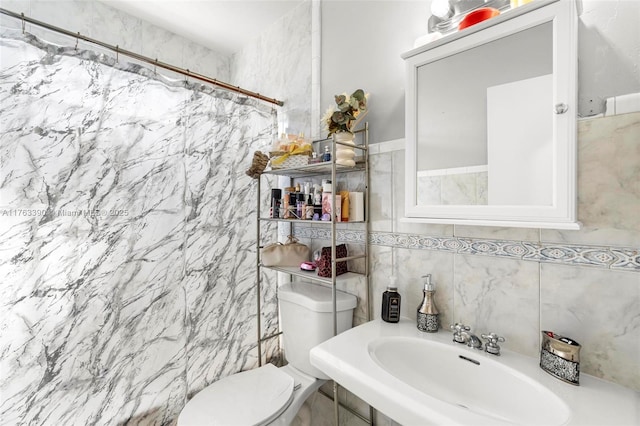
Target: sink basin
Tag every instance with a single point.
(474, 383)
(420, 379)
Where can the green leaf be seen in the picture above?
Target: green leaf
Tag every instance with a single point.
(359, 95)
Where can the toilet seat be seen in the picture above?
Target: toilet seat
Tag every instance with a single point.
(253, 397)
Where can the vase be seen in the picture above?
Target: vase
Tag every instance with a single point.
(345, 154)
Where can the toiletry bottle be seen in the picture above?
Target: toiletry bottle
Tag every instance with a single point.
(293, 205)
(314, 158)
(301, 206)
(391, 303)
(326, 185)
(276, 195)
(274, 212)
(327, 154)
(317, 195)
(284, 207)
(317, 202)
(308, 213)
(427, 312)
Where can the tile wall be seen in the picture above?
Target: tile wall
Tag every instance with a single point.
(278, 63)
(516, 282)
(101, 21)
(459, 188)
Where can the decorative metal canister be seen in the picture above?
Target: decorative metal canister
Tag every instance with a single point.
(560, 357)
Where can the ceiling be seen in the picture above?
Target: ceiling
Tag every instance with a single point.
(221, 25)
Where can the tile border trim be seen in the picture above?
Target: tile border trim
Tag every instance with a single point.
(614, 258)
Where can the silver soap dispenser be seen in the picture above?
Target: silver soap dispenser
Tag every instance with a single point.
(427, 312)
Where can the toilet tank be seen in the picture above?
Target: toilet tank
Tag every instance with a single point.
(306, 312)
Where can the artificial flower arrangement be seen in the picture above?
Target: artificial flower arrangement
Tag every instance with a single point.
(350, 111)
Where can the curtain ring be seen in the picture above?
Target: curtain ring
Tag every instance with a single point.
(77, 39)
(155, 65)
(186, 77)
(23, 25)
(117, 53)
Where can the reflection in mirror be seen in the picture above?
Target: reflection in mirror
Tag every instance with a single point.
(485, 134)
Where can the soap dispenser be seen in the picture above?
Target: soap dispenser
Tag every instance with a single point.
(427, 311)
(391, 302)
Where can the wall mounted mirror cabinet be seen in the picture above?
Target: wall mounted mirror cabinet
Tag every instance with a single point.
(491, 114)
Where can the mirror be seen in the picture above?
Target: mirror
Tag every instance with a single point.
(485, 140)
(471, 134)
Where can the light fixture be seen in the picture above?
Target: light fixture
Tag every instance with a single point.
(442, 9)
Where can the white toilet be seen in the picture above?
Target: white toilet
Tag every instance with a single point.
(269, 395)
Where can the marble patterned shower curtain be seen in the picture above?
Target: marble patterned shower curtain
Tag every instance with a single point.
(127, 247)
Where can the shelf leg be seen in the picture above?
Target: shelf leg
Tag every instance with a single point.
(258, 286)
(336, 405)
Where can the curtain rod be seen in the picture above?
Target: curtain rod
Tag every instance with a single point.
(142, 58)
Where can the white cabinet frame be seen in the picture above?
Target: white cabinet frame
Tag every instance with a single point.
(561, 214)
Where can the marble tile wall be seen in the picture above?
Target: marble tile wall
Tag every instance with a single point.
(462, 188)
(279, 63)
(101, 21)
(128, 275)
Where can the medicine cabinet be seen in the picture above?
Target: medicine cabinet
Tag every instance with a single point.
(491, 114)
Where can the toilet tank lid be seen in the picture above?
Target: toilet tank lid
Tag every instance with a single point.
(315, 297)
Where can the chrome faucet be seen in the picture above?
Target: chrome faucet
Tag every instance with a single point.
(473, 341)
(458, 329)
(462, 334)
(492, 346)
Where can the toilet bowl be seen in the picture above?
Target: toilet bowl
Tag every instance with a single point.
(269, 395)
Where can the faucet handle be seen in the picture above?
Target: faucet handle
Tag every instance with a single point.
(457, 329)
(492, 346)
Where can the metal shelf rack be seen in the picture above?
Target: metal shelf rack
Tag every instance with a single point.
(333, 170)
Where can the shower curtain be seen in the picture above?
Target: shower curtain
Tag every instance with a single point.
(127, 256)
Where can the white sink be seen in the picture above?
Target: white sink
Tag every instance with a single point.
(420, 378)
(483, 386)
